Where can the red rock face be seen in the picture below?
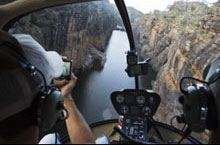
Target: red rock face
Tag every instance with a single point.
(181, 42)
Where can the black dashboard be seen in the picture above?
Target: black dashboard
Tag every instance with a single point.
(135, 106)
(136, 103)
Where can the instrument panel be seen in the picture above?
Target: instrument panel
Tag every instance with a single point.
(136, 103)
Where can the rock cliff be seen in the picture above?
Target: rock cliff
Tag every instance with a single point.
(78, 31)
(181, 42)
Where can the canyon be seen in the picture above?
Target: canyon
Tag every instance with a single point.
(78, 31)
(181, 42)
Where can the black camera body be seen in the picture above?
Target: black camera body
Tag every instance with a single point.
(67, 69)
(134, 67)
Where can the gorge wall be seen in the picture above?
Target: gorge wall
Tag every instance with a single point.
(181, 43)
(78, 31)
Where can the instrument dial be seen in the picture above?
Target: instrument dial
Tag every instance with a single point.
(124, 109)
(146, 111)
(120, 99)
(141, 100)
(151, 100)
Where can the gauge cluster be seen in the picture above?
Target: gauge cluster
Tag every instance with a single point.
(136, 103)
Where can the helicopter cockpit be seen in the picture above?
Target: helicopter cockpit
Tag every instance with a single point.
(137, 107)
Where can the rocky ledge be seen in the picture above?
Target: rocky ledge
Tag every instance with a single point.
(181, 43)
(78, 31)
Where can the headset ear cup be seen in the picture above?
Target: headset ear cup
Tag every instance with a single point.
(51, 110)
(34, 109)
(212, 121)
(192, 109)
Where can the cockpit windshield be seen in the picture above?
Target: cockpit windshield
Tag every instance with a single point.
(180, 37)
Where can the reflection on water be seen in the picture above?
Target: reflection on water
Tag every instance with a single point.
(93, 90)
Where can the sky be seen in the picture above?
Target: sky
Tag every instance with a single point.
(147, 6)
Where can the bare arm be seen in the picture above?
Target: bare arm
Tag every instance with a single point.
(78, 129)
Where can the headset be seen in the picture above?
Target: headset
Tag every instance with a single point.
(48, 106)
(200, 111)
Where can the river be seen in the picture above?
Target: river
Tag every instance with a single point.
(93, 89)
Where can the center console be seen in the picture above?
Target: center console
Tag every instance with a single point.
(135, 107)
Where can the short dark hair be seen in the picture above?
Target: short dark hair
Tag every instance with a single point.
(15, 82)
(13, 126)
(16, 125)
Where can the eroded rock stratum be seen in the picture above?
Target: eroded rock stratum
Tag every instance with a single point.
(78, 31)
(181, 42)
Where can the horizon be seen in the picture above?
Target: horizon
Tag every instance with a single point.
(146, 6)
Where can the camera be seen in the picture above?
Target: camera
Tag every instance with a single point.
(67, 69)
(134, 67)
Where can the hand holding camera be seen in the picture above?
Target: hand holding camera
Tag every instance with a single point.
(65, 86)
(68, 80)
(67, 69)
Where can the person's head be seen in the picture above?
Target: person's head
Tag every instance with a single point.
(213, 70)
(212, 73)
(15, 122)
(20, 89)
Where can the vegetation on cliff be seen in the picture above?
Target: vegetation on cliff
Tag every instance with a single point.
(181, 42)
(78, 31)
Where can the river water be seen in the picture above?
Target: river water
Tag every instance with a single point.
(93, 89)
